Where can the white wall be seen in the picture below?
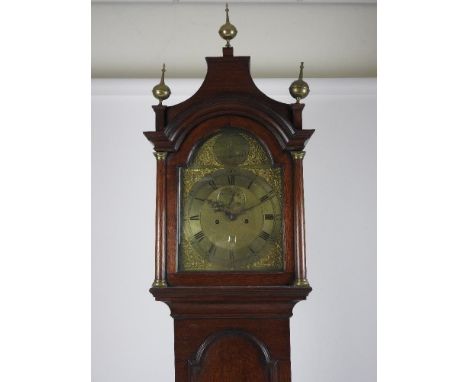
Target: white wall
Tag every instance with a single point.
(133, 39)
(333, 333)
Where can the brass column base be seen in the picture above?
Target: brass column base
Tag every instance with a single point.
(302, 283)
(159, 284)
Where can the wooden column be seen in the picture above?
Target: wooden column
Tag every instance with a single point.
(299, 220)
(160, 245)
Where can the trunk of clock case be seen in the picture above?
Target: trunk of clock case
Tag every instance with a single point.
(231, 334)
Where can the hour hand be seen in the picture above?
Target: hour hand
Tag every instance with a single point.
(221, 207)
(218, 206)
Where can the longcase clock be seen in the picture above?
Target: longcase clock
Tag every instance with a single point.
(230, 239)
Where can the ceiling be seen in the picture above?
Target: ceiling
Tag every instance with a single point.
(335, 38)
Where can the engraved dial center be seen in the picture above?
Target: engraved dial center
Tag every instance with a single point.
(223, 217)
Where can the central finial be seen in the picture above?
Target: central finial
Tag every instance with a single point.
(227, 12)
(227, 31)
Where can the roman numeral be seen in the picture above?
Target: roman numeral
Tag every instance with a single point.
(231, 179)
(264, 235)
(213, 184)
(212, 250)
(195, 217)
(265, 197)
(269, 216)
(199, 236)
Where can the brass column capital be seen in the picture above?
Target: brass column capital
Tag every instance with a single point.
(298, 155)
(160, 155)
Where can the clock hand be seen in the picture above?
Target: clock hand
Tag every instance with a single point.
(218, 206)
(262, 200)
(232, 199)
(215, 204)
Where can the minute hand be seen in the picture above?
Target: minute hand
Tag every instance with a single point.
(262, 200)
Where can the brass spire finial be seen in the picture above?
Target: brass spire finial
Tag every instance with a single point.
(301, 70)
(227, 12)
(299, 89)
(227, 31)
(161, 91)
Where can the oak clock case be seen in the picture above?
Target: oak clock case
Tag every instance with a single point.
(230, 232)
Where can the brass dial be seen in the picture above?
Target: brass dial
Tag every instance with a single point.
(232, 214)
(233, 218)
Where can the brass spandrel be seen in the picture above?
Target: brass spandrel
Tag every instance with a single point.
(204, 156)
(272, 260)
(257, 155)
(193, 260)
(274, 177)
(190, 176)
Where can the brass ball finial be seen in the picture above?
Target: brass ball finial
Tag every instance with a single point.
(161, 91)
(227, 31)
(299, 89)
